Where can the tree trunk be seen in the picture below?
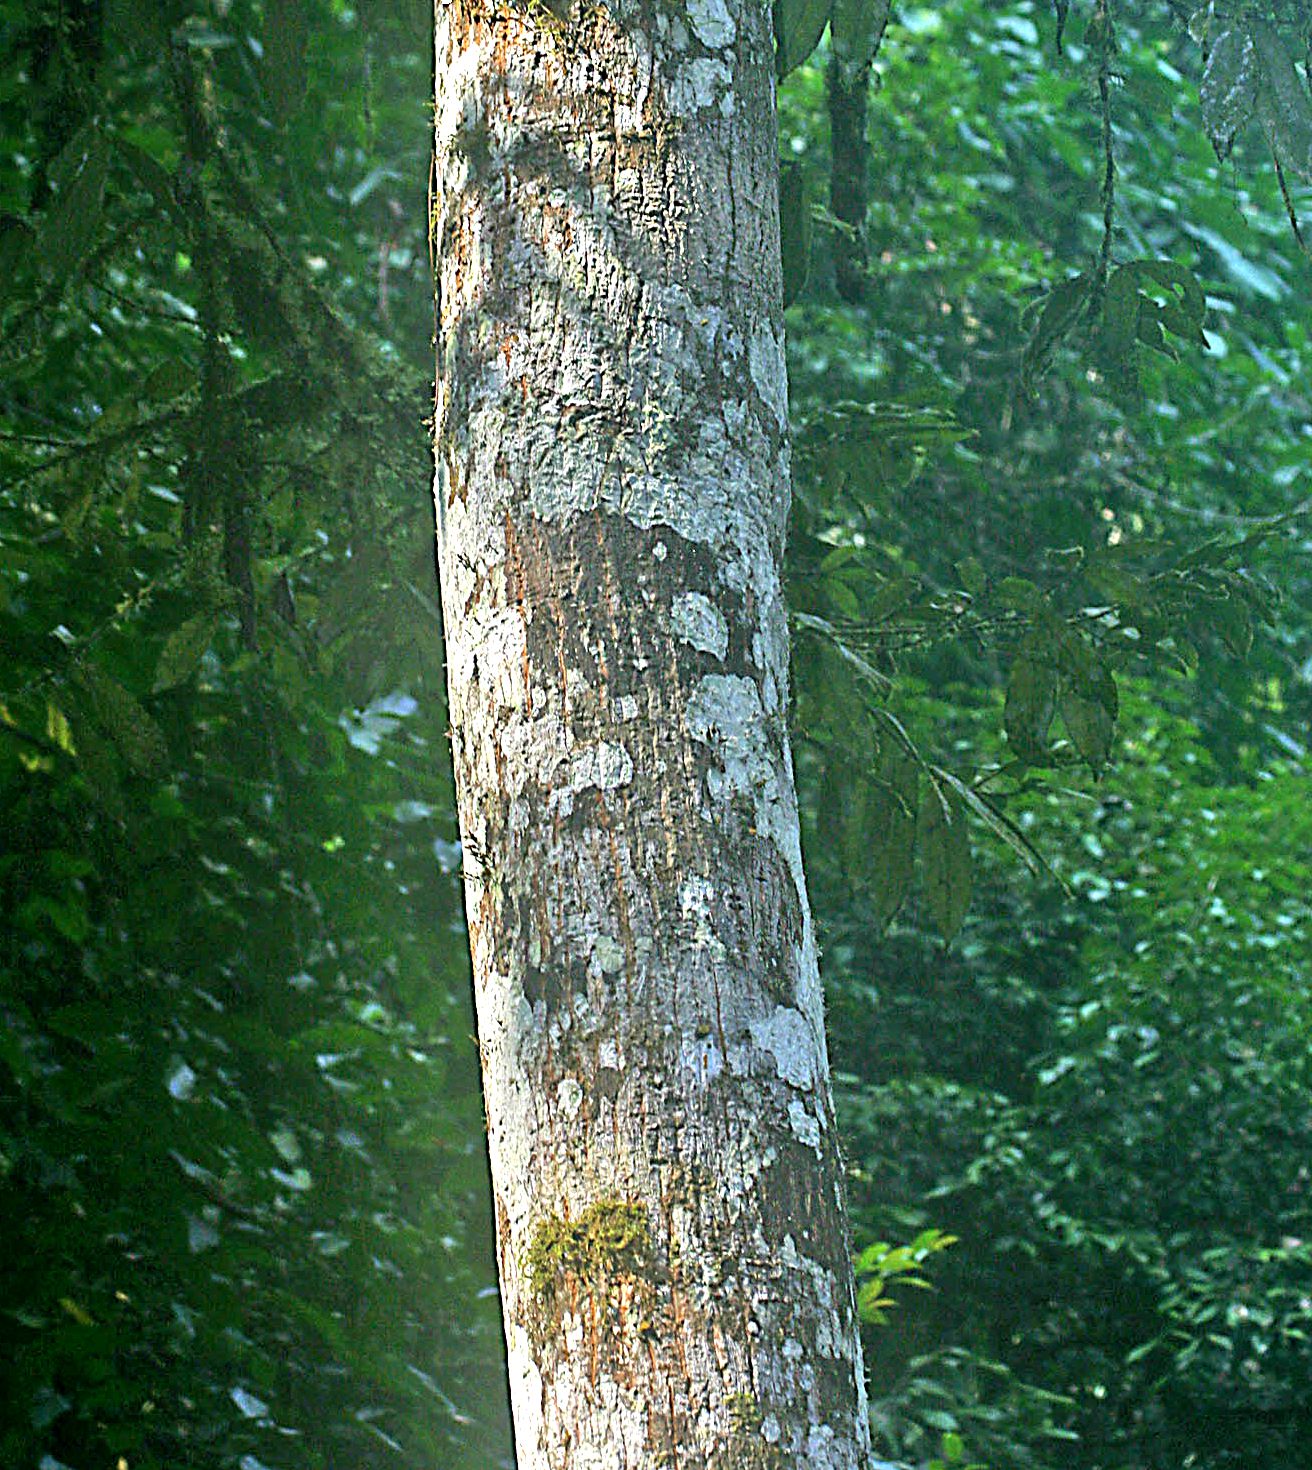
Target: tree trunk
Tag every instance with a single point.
(612, 490)
(848, 90)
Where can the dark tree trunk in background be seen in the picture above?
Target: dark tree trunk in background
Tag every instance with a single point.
(848, 186)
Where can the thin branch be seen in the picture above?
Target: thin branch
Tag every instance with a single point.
(1107, 45)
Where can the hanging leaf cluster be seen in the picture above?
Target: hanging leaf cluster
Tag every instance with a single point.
(871, 448)
(1145, 304)
(1251, 73)
(856, 29)
(895, 813)
(898, 819)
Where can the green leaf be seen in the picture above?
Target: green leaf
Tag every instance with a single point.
(868, 446)
(1228, 91)
(1231, 620)
(945, 858)
(892, 597)
(1088, 702)
(98, 765)
(1120, 315)
(1144, 300)
(970, 573)
(890, 837)
(58, 730)
(13, 1055)
(93, 1023)
(842, 596)
(69, 919)
(1000, 825)
(798, 26)
(1282, 99)
(139, 739)
(152, 176)
(1018, 593)
(1031, 703)
(1182, 304)
(171, 379)
(184, 649)
(856, 29)
(1089, 714)
(17, 239)
(826, 630)
(1056, 316)
(72, 224)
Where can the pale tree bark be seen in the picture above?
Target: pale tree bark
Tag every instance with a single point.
(612, 489)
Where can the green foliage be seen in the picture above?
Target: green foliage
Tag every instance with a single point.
(240, 1161)
(1251, 72)
(857, 27)
(1098, 1087)
(881, 1264)
(798, 26)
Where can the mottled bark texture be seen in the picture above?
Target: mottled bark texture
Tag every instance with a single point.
(612, 489)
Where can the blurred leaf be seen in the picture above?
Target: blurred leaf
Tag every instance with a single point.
(798, 26)
(945, 858)
(1031, 701)
(999, 824)
(1055, 317)
(184, 649)
(1283, 100)
(857, 27)
(1088, 707)
(1228, 91)
(69, 229)
(889, 828)
(138, 738)
(171, 379)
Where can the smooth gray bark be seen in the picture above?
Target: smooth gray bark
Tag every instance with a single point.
(612, 490)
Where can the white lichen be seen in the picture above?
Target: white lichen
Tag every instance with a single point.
(608, 953)
(604, 766)
(569, 1097)
(825, 1292)
(711, 20)
(804, 1125)
(765, 358)
(699, 84)
(697, 621)
(725, 714)
(700, 1056)
(791, 1040)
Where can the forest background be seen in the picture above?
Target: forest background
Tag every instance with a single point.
(1040, 569)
